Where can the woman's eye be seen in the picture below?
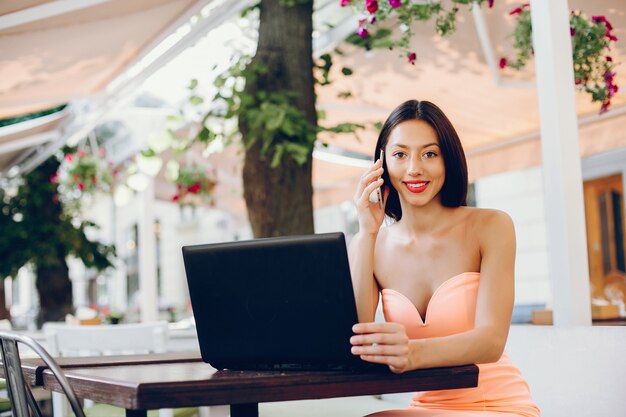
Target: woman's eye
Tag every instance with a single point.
(430, 154)
(399, 154)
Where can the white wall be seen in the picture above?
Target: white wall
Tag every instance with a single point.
(572, 371)
(520, 194)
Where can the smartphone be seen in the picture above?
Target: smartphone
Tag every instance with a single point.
(379, 191)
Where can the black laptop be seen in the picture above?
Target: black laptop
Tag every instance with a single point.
(275, 303)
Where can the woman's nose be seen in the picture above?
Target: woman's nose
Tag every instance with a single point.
(415, 169)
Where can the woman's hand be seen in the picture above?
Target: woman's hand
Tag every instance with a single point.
(385, 343)
(370, 214)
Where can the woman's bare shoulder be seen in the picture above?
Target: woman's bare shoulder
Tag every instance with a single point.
(489, 223)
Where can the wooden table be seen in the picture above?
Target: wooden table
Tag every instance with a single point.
(161, 381)
(140, 387)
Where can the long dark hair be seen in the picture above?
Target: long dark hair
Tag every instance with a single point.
(454, 190)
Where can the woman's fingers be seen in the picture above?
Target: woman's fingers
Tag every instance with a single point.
(385, 343)
(365, 196)
(370, 175)
(377, 327)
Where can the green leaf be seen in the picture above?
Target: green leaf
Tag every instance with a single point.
(192, 84)
(196, 100)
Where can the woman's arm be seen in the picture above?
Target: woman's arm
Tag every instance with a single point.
(362, 246)
(387, 342)
(361, 255)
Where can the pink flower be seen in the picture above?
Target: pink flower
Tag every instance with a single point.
(602, 19)
(608, 77)
(55, 178)
(491, 3)
(572, 31)
(101, 152)
(612, 90)
(69, 157)
(518, 10)
(175, 197)
(605, 106)
(502, 63)
(395, 3)
(81, 186)
(81, 153)
(372, 20)
(362, 32)
(412, 57)
(371, 5)
(344, 3)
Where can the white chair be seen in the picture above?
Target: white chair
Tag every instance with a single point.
(76, 340)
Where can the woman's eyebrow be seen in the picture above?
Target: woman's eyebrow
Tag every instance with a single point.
(399, 145)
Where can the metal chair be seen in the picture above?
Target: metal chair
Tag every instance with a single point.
(20, 394)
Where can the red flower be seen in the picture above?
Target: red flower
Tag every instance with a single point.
(194, 188)
(578, 81)
(362, 32)
(395, 3)
(344, 3)
(518, 10)
(175, 197)
(412, 57)
(491, 3)
(609, 59)
(605, 106)
(572, 31)
(55, 178)
(602, 19)
(81, 186)
(502, 63)
(371, 5)
(69, 157)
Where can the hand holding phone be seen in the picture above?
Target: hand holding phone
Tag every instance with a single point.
(379, 191)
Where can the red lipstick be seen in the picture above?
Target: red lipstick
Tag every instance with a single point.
(416, 187)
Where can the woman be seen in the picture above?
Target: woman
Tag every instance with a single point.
(445, 270)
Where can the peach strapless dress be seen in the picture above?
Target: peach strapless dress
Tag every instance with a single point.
(501, 390)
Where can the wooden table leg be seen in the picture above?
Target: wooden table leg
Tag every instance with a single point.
(136, 413)
(244, 410)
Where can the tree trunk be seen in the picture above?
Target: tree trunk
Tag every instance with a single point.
(4, 312)
(55, 293)
(280, 200)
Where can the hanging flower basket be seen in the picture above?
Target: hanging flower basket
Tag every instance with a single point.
(81, 174)
(194, 185)
(373, 12)
(594, 69)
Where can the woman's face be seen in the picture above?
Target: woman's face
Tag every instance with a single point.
(414, 162)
